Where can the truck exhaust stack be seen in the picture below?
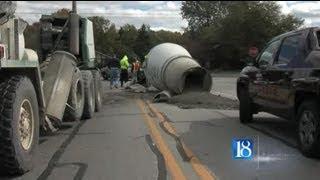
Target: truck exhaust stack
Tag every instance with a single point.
(74, 30)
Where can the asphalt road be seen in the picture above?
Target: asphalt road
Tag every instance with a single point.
(134, 139)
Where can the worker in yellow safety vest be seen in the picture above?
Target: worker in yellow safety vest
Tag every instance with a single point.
(124, 65)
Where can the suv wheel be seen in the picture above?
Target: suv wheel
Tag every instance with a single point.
(245, 107)
(309, 128)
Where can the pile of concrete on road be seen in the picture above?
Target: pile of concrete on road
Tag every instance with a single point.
(138, 88)
(186, 100)
(206, 100)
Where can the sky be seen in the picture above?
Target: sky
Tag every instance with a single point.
(164, 15)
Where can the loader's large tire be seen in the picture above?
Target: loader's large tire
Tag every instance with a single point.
(97, 86)
(89, 94)
(75, 99)
(19, 125)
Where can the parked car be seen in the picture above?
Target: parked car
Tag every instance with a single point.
(285, 81)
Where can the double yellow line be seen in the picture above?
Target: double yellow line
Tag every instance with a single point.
(170, 160)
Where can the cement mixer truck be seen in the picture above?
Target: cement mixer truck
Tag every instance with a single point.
(40, 90)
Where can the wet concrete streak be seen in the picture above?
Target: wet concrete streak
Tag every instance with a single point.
(199, 123)
(85, 134)
(166, 117)
(162, 171)
(117, 115)
(57, 155)
(151, 113)
(81, 171)
(204, 123)
(179, 145)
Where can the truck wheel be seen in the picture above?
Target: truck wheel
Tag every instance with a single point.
(19, 123)
(309, 128)
(245, 107)
(76, 98)
(97, 86)
(89, 94)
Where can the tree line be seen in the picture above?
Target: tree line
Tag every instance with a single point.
(126, 40)
(218, 35)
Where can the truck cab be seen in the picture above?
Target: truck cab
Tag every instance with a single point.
(40, 93)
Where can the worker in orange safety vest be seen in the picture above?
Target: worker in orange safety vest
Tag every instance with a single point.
(135, 70)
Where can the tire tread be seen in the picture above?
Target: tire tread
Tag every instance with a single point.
(7, 151)
(87, 77)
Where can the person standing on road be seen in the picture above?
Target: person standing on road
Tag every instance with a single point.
(124, 65)
(135, 70)
(114, 66)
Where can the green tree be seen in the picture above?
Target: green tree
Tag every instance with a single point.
(64, 12)
(243, 24)
(106, 37)
(128, 35)
(163, 36)
(203, 13)
(143, 42)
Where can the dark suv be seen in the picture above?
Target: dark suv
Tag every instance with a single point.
(284, 80)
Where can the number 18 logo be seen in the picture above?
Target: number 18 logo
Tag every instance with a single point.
(242, 149)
